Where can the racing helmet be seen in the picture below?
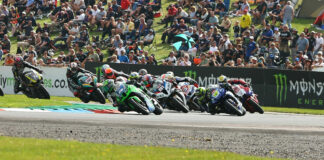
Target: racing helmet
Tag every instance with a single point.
(19, 60)
(171, 73)
(134, 76)
(74, 67)
(167, 77)
(109, 73)
(142, 72)
(222, 79)
(147, 79)
(201, 91)
(104, 67)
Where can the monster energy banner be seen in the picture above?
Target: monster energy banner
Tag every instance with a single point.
(280, 88)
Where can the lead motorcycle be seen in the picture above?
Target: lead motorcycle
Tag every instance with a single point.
(33, 85)
(248, 98)
(189, 92)
(134, 99)
(89, 90)
(226, 100)
(169, 96)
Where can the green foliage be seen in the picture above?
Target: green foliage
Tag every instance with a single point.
(29, 148)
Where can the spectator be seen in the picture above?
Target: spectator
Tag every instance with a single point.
(226, 24)
(9, 60)
(148, 39)
(261, 12)
(311, 46)
(285, 36)
(204, 60)
(246, 21)
(251, 49)
(184, 61)
(319, 64)
(319, 43)
(275, 14)
(302, 43)
(236, 29)
(220, 8)
(288, 14)
(123, 58)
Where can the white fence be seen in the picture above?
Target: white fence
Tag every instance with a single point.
(55, 81)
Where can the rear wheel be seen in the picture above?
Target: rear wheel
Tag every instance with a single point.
(140, 108)
(256, 106)
(42, 93)
(233, 109)
(177, 102)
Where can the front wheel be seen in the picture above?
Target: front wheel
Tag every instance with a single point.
(99, 96)
(233, 109)
(138, 107)
(256, 106)
(42, 93)
(1, 92)
(176, 100)
(158, 109)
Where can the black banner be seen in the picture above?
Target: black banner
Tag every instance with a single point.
(282, 88)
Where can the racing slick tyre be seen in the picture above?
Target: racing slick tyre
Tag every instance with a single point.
(99, 96)
(140, 108)
(176, 100)
(1, 92)
(42, 93)
(256, 106)
(158, 109)
(233, 109)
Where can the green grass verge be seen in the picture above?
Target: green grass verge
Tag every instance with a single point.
(20, 101)
(294, 110)
(29, 148)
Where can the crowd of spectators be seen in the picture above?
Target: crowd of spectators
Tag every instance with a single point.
(219, 36)
(121, 28)
(276, 44)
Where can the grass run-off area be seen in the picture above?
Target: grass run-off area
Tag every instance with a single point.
(20, 101)
(294, 110)
(36, 149)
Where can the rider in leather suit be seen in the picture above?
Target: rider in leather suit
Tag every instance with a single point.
(18, 71)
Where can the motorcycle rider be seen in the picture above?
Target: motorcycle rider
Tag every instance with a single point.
(18, 71)
(204, 98)
(142, 72)
(169, 76)
(113, 74)
(134, 79)
(224, 82)
(72, 78)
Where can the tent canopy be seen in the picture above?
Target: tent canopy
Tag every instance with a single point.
(311, 8)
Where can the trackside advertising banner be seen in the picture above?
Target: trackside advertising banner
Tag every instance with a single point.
(54, 81)
(282, 88)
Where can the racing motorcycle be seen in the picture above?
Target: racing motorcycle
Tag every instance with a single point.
(170, 96)
(226, 101)
(89, 90)
(189, 92)
(248, 98)
(132, 98)
(33, 85)
(1, 92)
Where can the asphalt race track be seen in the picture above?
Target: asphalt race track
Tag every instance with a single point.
(271, 134)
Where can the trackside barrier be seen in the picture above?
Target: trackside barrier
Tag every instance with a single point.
(282, 88)
(54, 81)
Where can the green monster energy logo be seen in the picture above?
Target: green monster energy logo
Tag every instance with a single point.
(191, 74)
(281, 83)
